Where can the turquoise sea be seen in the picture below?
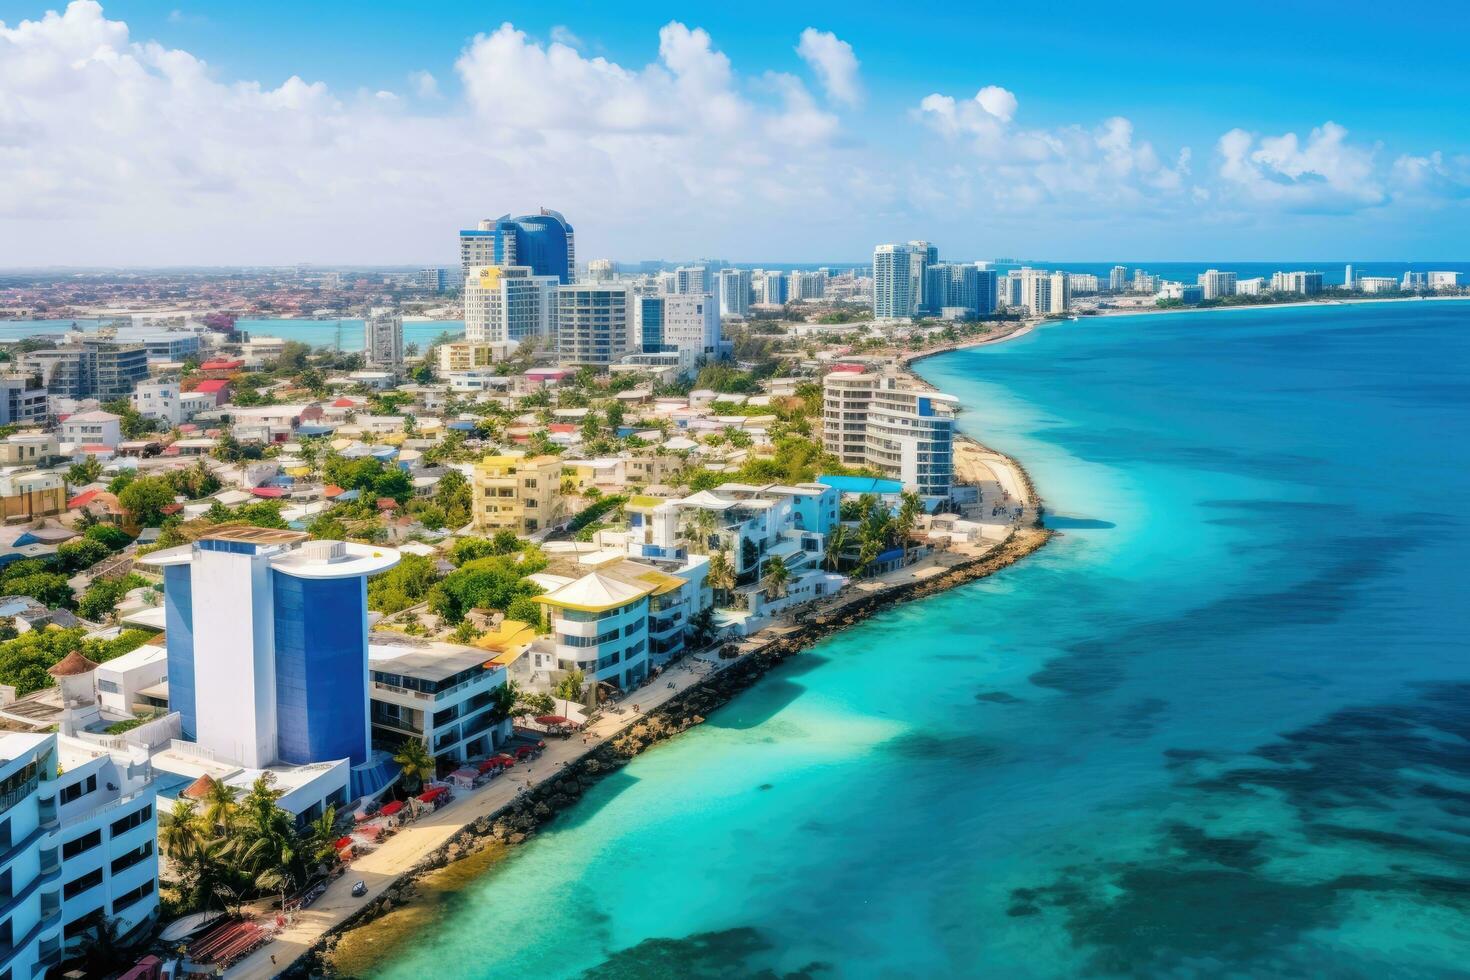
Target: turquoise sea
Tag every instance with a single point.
(1219, 727)
(344, 334)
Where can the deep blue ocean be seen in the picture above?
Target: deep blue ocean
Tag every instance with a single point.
(1220, 726)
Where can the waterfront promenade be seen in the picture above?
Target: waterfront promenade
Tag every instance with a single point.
(999, 479)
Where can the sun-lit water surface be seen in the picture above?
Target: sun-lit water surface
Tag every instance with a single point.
(1227, 732)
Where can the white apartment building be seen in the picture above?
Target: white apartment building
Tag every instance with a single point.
(1443, 280)
(504, 305)
(893, 282)
(23, 398)
(602, 270)
(905, 433)
(1215, 283)
(1144, 282)
(692, 279)
(1250, 287)
(599, 625)
(383, 339)
(1083, 283)
(97, 428)
(684, 324)
(735, 290)
(807, 285)
(1306, 283)
(1044, 293)
(78, 837)
(1377, 284)
(164, 401)
(593, 324)
(1414, 280)
(1118, 279)
(440, 693)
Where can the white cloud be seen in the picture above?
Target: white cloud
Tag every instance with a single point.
(119, 149)
(1015, 168)
(424, 84)
(562, 34)
(835, 64)
(1323, 173)
(116, 149)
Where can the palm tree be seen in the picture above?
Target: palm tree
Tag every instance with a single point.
(697, 530)
(179, 833)
(416, 761)
(837, 543)
(220, 807)
(908, 519)
(777, 575)
(569, 688)
(721, 575)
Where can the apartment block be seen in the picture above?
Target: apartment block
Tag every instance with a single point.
(520, 494)
(903, 432)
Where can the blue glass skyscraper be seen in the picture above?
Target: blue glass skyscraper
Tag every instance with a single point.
(544, 242)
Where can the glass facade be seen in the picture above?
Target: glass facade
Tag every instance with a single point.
(179, 623)
(321, 669)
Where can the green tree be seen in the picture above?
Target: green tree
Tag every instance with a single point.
(837, 542)
(416, 763)
(569, 688)
(113, 537)
(47, 588)
(144, 500)
(405, 584)
(87, 471)
(721, 575)
(777, 576)
(83, 553)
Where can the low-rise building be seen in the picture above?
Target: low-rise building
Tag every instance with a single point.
(165, 402)
(518, 493)
(96, 428)
(27, 494)
(29, 449)
(443, 694)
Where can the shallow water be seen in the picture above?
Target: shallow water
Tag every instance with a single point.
(1220, 726)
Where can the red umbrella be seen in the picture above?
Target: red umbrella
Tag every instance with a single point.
(523, 751)
(552, 720)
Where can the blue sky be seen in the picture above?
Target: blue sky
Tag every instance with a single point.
(1249, 132)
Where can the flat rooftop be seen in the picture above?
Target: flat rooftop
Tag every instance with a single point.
(249, 534)
(427, 660)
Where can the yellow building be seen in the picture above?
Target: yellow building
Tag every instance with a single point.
(29, 494)
(465, 355)
(518, 493)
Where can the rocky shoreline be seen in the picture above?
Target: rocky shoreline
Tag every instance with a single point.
(520, 819)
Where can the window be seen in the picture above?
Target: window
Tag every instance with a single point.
(79, 789)
(81, 845)
(76, 886)
(108, 687)
(131, 897)
(136, 819)
(137, 854)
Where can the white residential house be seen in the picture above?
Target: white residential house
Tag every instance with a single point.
(97, 428)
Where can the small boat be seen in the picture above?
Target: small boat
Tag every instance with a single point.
(187, 926)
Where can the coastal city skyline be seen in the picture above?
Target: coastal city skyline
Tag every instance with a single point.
(402, 436)
(734, 140)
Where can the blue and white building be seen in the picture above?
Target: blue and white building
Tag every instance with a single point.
(544, 242)
(268, 662)
(442, 694)
(687, 325)
(78, 838)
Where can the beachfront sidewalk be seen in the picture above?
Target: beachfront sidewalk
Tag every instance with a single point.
(406, 848)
